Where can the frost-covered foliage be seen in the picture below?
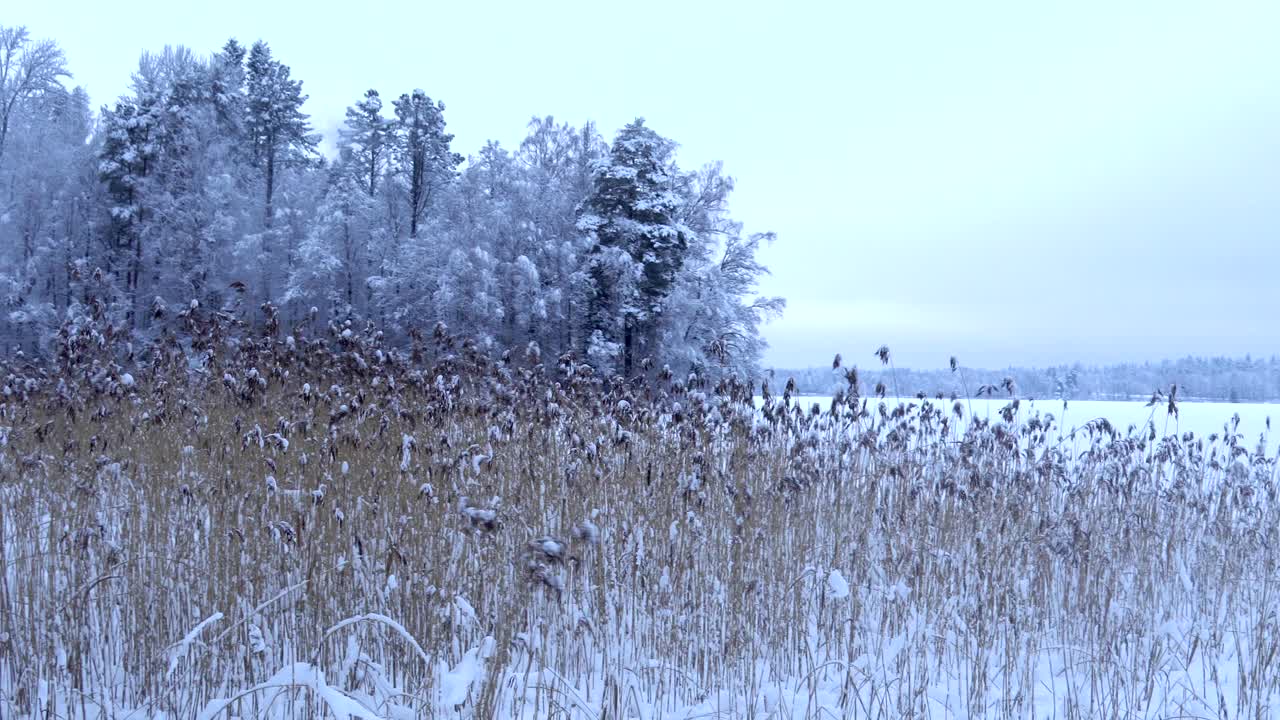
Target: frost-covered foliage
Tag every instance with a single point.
(313, 528)
(204, 184)
(668, 272)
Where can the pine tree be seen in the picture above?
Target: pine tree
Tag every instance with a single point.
(364, 139)
(259, 75)
(126, 158)
(278, 129)
(170, 167)
(280, 135)
(227, 79)
(422, 152)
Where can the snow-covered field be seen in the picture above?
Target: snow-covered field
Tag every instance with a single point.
(303, 540)
(1250, 421)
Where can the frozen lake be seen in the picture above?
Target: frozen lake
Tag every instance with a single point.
(1201, 418)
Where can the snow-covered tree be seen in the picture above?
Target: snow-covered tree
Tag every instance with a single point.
(280, 133)
(126, 157)
(46, 223)
(170, 166)
(330, 271)
(281, 137)
(559, 161)
(28, 68)
(364, 139)
(638, 242)
(201, 187)
(714, 316)
(424, 162)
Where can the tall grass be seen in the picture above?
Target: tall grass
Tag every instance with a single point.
(306, 529)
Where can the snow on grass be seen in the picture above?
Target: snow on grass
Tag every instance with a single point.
(178, 649)
(837, 586)
(295, 676)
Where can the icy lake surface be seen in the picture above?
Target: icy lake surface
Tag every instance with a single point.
(1202, 418)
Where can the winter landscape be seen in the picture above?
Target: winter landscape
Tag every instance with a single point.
(316, 411)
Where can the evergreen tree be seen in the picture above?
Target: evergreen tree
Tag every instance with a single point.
(281, 138)
(227, 77)
(638, 243)
(126, 158)
(279, 131)
(169, 163)
(424, 159)
(364, 140)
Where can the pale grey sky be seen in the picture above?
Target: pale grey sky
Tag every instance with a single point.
(1011, 182)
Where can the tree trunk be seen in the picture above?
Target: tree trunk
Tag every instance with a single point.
(135, 275)
(4, 134)
(627, 340)
(271, 184)
(348, 242)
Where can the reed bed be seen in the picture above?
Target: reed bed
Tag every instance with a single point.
(325, 527)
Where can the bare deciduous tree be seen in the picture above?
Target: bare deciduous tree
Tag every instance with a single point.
(27, 68)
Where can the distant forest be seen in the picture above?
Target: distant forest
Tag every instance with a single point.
(1246, 379)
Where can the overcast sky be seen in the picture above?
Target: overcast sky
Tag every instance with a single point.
(1010, 182)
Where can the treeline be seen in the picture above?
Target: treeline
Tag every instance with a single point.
(204, 188)
(1246, 379)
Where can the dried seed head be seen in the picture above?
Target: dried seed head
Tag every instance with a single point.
(547, 549)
